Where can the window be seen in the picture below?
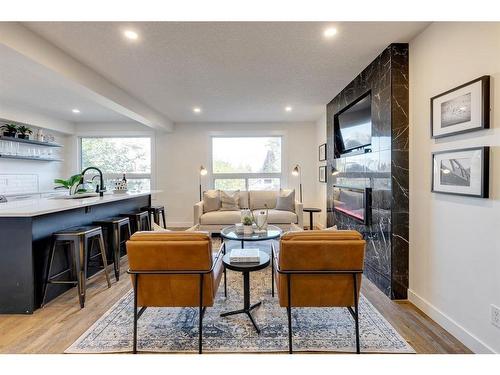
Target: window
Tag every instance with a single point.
(246, 163)
(116, 156)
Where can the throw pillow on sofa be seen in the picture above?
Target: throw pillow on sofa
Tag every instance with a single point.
(157, 228)
(286, 200)
(211, 200)
(230, 201)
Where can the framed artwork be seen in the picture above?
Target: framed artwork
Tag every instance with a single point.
(463, 109)
(322, 173)
(461, 172)
(322, 152)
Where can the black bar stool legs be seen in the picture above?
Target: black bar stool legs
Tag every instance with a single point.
(139, 221)
(78, 239)
(156, 211)
(118, 232)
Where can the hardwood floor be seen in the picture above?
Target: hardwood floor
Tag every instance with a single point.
(56, 326)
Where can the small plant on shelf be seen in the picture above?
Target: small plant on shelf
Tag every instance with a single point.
(9, 130)
(71, 184)
(24, 132)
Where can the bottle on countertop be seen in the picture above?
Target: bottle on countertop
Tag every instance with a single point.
(121, 186)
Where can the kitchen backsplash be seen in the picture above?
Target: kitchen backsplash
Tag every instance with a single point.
(18, 183)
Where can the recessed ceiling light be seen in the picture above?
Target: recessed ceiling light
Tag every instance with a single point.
(330, 32)
(196, 109)
(132, 35)
(288, 108)
(75, 110)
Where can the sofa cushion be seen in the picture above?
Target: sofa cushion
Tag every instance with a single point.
(211, 200)
(259, 199)
(220, 218)
(230, 201)
(286, 200)
(280, 217)
(243, 203)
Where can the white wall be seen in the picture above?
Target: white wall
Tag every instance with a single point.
(454, 242)
(320, 218)
(180, 154)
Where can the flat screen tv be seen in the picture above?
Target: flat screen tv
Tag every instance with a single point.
(353, 125)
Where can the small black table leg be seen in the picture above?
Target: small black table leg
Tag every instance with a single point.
(247, 308)
(311, 220)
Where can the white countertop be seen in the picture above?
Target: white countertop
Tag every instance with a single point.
(41, 206)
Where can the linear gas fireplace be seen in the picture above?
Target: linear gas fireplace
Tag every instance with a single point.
(353, 202)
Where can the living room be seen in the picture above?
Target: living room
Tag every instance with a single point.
(189, 185)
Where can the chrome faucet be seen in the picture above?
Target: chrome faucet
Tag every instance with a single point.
(100, 187)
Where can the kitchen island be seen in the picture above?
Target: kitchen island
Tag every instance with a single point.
(26, 228)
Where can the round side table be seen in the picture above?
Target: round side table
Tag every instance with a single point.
(245, 269)
(311, 210)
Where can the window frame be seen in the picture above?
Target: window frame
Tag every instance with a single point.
(116, 175)
(248, 175)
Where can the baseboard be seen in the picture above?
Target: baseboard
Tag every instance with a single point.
(467, 338)
(179, 224)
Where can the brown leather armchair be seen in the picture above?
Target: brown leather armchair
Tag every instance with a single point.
(319, 269)
(173, 269)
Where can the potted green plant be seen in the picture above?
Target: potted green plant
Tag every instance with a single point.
(71, 184)
(24, 132)
(247, 225)
(9, 130)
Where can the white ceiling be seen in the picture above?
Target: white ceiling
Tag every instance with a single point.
(246, 71)
(26, 84)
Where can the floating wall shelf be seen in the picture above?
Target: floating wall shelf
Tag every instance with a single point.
(29, 141)
(20, 157)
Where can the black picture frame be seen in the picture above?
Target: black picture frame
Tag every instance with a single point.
(485, 108)
(322, 173)
(484, 169)
(322, 152)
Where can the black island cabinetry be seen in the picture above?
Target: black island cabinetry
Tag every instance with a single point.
(25, 235)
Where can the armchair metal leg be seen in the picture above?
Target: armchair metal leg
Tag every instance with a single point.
(201, 312)
(356, 313)
(289, 313)
(136, 282)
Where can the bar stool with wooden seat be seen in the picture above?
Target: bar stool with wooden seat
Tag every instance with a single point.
(156, 211)
(139, 220)
(80, 241)
(118, 232)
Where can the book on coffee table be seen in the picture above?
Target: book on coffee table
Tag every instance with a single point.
(248, 255)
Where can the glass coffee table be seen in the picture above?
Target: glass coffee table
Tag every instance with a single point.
(229, 233)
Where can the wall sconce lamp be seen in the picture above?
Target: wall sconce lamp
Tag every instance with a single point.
(298, 172)
(335, 171)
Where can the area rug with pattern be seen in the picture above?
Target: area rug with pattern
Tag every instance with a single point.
(176, 329)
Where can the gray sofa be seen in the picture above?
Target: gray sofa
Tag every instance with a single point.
(214, 221)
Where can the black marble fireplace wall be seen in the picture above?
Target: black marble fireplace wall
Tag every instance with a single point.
(384, 169)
